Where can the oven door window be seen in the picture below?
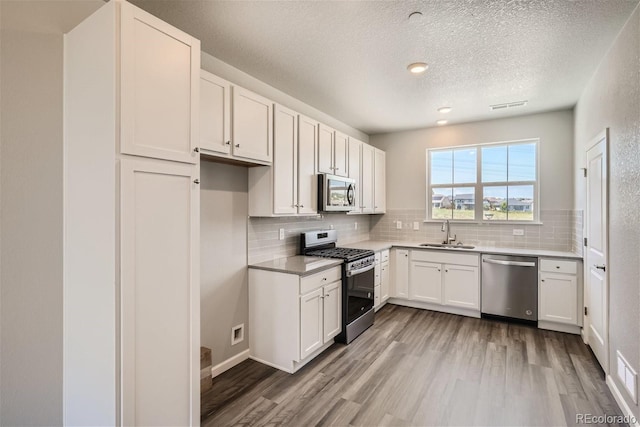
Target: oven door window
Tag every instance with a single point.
(359, 294)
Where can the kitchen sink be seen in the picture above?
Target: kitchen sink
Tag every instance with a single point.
(446, 246)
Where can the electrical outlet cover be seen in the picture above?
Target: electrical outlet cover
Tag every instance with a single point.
(518, 232)
(399, 225)
(416, 225)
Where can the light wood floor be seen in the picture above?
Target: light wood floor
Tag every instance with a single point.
(417, 367)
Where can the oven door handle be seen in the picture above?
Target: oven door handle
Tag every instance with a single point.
(361, 270)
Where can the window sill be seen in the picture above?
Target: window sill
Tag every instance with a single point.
(462, 221)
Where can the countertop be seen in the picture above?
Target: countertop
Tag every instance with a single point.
(377, 245)
(300, 265)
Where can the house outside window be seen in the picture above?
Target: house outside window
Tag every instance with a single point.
(484, 183)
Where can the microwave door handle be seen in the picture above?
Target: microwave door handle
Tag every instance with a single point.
(350, 195)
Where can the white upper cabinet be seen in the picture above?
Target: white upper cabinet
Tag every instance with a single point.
(326, 137)
(379, 186)
(341, 154)
(355, 158)
(252, 131)
(307, 179)
(285, 162)
(333, 152)
(366, 179)
(159, 95)
(215, 113)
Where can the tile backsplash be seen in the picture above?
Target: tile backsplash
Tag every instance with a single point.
(263, 233)
(559, 230)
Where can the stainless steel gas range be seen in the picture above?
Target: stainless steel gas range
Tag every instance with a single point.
(357, 280)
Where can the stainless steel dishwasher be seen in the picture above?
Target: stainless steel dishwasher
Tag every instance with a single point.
(510, 286)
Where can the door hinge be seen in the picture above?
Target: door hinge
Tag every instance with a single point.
(585, 241)
(584, 172)
(586, 312)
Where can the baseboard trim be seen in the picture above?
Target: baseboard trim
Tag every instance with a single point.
(624, 407)
(435, 307)
(560, 327)
(229, 363)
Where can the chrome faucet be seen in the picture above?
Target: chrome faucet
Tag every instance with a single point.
(446, 227)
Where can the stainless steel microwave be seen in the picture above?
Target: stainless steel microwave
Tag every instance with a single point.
(336, 193)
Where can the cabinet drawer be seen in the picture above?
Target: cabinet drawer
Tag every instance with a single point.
(445, 257)
(385, 255)
(325, 277)
(558, 266)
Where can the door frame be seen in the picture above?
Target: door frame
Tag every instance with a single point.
(602, 136)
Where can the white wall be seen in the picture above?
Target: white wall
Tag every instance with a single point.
(406, 154)
(612, 99)
(31, 200)
(234, 75)
(223, 253)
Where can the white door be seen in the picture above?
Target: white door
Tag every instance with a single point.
(425, 282)
(384, 283)
(251, 129)
(311, 313)
(461, 286)
(307, 179)
(160, 75)
(355, 157)
(215, 113)
(366, 180)
(332, 324)
(558, 296)
(341, 154)
(159, 293)
(596, 230)
(401, 274)
(325, 149)
(379, 190)
(285, 161)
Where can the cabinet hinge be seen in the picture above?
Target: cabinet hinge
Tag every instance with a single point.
(586, 312)
(585, 241)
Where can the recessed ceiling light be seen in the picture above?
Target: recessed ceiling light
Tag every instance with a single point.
(441, 122)
(444, 110)
(418, 67)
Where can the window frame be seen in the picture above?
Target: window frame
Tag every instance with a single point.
(479, 185)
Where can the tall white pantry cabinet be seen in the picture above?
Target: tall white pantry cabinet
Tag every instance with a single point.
(131, 221)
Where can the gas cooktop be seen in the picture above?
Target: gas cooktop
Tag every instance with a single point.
(347, 254)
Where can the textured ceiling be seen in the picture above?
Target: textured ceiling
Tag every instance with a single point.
(349, 58)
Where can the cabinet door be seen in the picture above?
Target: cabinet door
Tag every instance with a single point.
(285, 161)
(341, 154)
(332, 321)
(159, 81)
(558, 298)
(377, 275)
(384, 282)
(425, 282)
(461, 286)
(160, 309)
(307, 179)
(325, 149)
(366, 180)
(379, 185)
(401, 274)
(215, 113)
(251, 129)
(355, 157)
(311, 314)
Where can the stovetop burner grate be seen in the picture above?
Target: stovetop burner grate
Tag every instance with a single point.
(347, 254)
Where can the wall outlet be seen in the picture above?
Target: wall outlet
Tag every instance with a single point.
(355, 226)
(518, 232)
(281, 234)
(416, 225)
(330, 226)
(399, 225)
(628, 377)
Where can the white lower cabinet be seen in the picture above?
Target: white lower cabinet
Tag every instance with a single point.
(293, 318)
(381, 279)
(559, 296)
(384, 282)
(437, 280)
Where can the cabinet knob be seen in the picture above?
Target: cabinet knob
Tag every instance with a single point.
(438, 269)
(557, 266)
(196, 181)
(542, 280)
(327, 295)
(324, 279)
(227, 143)
(237, 145)
(446, 271)
(335, 169)
(197, 150)
(301, 206)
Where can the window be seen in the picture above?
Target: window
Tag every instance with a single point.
(486, 182)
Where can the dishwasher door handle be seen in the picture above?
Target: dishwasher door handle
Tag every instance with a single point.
(516, 263)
